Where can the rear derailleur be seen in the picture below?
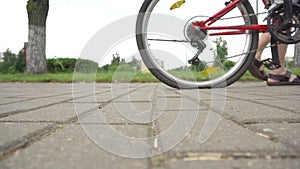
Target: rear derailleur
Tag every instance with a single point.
(196, 36)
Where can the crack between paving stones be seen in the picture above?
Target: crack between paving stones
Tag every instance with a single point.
(42, 97)
(249, 93)
(62, 122)
(153, 132)
(159, 161)
(217, 156)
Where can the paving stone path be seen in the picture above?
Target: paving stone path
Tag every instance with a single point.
(65, 126)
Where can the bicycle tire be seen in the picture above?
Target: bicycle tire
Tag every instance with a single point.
(168, 79)
(255, 72)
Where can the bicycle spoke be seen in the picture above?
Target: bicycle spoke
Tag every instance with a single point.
(169, 40)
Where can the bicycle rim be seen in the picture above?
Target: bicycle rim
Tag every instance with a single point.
(162, 38)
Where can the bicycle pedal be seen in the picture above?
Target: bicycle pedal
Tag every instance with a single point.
(270, 64)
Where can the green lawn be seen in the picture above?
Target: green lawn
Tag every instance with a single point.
(69, 77)
(100, 77)
(63, 78)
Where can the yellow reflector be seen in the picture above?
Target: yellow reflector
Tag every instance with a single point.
(211, 70)
(177, 4)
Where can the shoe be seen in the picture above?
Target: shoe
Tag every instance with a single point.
(283, 79)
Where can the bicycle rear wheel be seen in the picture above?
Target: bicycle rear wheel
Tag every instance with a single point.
(163, 38)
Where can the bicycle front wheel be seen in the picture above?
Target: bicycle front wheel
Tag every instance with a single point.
(163, 38)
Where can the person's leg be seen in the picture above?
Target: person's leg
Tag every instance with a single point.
(256, 68)
(282, 48)
(281, 53)
(264, 39)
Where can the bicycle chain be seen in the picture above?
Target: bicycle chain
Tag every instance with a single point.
(252, 51)
(233, 17)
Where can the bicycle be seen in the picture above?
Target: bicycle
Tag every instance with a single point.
(198, 54)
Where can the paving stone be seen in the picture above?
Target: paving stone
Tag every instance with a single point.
(144, 96)
(30, 104)
(12, 131)
(245, 111)
(69, 147)
(249, 96)
(287, 133)
(55, 113)
(234, 164)
(115, 113)
(228, 138)
(287, 104)
(177, 104)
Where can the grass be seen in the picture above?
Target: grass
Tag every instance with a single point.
(125, 77)
(100, 77)
(62, 78)
(248, 77)
(69, 77)
(296, 71)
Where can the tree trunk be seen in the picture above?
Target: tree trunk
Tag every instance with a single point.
(37, 11)
(296, 62)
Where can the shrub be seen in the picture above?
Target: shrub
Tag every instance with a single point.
(125, 68)
(289, 64)
(86, 66)
(12, 63)
(67, 65)
(12, 69)
(20, 63)
(61, 65)
(3, 67)
(228, 64)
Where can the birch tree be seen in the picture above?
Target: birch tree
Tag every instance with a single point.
(37, 11)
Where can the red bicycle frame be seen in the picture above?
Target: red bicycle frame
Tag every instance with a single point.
(241, 29)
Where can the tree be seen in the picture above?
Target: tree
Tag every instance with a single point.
(222, 49)
(296, 62)
(9, 58)
(136, 64)
(12, 63)
(37, 11)
(9, 62)
(20, 63)
(221, 52)
(115, 62)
